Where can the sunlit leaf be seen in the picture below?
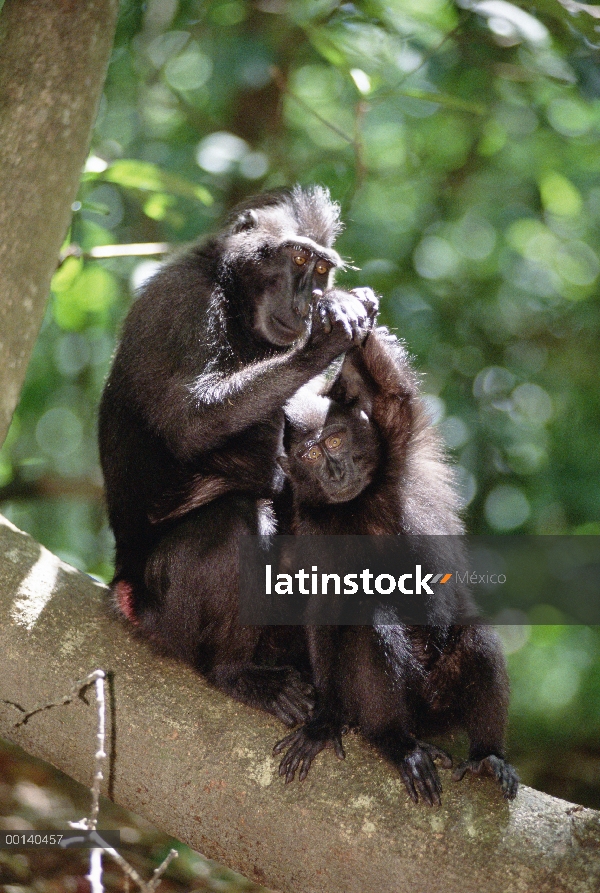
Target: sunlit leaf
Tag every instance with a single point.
(149, 177)
(89, 295)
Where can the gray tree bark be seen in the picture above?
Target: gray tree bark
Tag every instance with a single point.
(199, 765)
(53, 59)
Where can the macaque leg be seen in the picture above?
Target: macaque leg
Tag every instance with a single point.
(484, 706)
(326, 727)
(191, 610)
(383, 692)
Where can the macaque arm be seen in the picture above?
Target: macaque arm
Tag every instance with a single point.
(200, 415)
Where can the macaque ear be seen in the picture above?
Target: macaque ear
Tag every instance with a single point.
(246, 220)
(284, 463)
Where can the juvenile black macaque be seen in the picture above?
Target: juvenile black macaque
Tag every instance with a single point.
(191, 425)
(364, 459)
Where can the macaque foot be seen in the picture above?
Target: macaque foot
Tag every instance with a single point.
(419, 773)
(279, 690)
(505, 774)
(305, 743)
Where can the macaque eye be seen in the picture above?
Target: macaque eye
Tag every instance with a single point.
(334, 442)
(299, 259)
(322, 268)
(312, 455)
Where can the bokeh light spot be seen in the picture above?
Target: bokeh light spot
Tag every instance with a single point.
(506, 507)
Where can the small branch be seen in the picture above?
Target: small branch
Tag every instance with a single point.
(95, 873)
(89, 823)
(360, 168)
(135, 249)
(51, 487)
(158, 872)
(384, 94)
(280, 81)
(100, 753)
(145, 886)
(574, 8)
(121, 862)
(445, 100)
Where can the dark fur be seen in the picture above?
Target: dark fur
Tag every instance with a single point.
(396, 683)
(192, 414)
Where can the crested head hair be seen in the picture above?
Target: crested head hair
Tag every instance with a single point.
(315, 214)
(305, 412)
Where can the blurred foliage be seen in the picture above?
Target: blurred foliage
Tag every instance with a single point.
(461, 140)
(36, 797)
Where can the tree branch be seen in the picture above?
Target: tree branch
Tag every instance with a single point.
(199, 765)
(136, 249)
(48, 487)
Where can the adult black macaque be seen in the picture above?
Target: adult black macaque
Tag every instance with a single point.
(364, 459)
(191, 422)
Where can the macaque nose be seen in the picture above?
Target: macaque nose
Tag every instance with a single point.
(302, 308)
(337, 471)
(302, 304)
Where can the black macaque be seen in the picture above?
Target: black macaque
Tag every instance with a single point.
(364, 459)
(191, 424)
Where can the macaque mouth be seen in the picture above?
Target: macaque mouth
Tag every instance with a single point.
(346, 492)
(289, 330)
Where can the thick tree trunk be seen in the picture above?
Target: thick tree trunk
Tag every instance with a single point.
(53, 59)
(199, 766)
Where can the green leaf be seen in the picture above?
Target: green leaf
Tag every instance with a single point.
(445, 100)
(328, 49)
(144, 175)
(66, 274)
(88, 296)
